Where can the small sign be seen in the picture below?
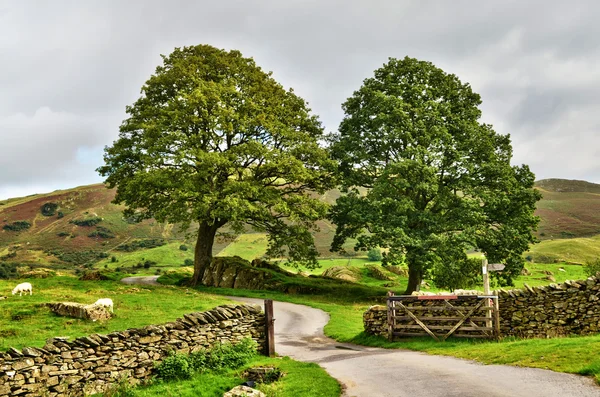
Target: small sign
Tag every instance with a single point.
(484, 269)
(496, 267)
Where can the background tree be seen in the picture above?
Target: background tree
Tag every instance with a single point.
(439, 182)
(215, 140)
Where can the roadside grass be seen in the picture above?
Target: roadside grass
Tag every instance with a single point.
(214, 384)
(23, 322)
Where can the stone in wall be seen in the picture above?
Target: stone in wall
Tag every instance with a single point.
(90, 364)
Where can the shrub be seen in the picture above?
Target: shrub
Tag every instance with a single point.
(141, 244)
(113, 259)
(148, 263)
(60, 214)
(374, 255)
(592, 267)
(17, 226)
(188, 262)
(8, 270)
(49, 209)
(102, 232)
(63, 234)
(86, 222)
(183, 247)
(180, 366)
(175, 367)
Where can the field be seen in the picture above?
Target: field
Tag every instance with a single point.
(24, 323)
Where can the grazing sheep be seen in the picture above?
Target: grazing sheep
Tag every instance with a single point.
(23, 287)
(105, 302)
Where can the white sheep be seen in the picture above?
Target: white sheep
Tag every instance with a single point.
(105, 302)
(23, 287)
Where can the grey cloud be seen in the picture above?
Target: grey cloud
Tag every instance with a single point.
(533, 62)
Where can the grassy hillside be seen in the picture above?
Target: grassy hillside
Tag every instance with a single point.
(568, 209)
(74, 226)
(81, 225)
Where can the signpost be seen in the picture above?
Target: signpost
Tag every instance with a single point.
(485, 269)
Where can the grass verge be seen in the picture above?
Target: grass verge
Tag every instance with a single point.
(214, 384)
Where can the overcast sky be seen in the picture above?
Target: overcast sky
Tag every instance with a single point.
(69, 68)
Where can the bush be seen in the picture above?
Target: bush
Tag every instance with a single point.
(63, 234)
(188, 262)
(183, 247)
(374, 255)
(8, 270)
(102, 232)
(175, 367)
(113, 259)
(148, 263)
(60, 214)
(180, 366)
(49, 209)
(592, 267)
(141, 244)
(86, 222)
(17, 226)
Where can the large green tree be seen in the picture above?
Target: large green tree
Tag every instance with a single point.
(438, 181)
(214, 140)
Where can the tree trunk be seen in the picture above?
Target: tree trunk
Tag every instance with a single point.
(203, 251)
(414, 259)
(414, 279)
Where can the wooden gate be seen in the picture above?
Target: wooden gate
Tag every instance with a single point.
(441, 316)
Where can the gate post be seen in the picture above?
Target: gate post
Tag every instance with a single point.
(270, 327)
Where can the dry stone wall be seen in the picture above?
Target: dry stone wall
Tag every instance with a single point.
(569, 308)
(91, 364)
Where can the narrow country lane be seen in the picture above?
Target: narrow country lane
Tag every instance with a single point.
(376, 372)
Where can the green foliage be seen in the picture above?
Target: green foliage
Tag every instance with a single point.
(183, 247)
(49, 209)
(101, 232)
(17, 226)
(63, 234)
(439, 182)
(79, 257)
(180, 366)
(592, 267)
(87, 221)
(141, 244)
(374, 254)
(213, 139)
(462, 274)
(174, 367)
(8, 270)
(113, 259)
(188, 262)
(60, 214)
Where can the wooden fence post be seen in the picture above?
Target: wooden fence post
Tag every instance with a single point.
(486, 289)
(270, 327)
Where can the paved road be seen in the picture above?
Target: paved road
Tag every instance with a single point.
(145, 280)
(375, 372)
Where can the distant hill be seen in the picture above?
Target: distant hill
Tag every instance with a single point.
(569, 208)
(70, 226)
(81, 225)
